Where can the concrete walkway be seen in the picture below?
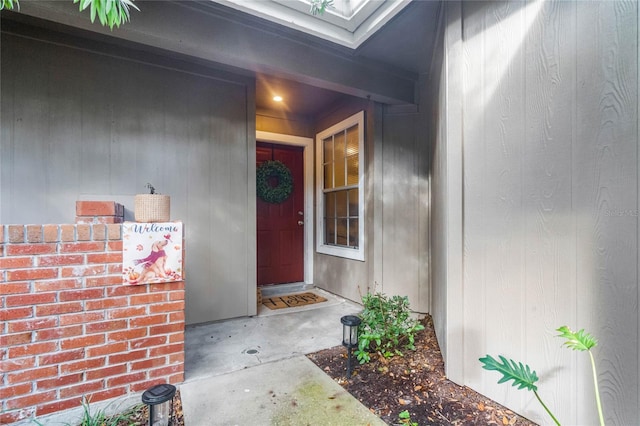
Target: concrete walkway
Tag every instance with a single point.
(252, 371)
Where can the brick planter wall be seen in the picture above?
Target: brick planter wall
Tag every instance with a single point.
(69, 327)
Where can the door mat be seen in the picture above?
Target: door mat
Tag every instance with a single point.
(292, 300)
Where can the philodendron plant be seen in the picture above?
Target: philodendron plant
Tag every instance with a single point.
(525, 378)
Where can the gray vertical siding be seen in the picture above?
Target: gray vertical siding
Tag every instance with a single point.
(550, 128)
(79, 125)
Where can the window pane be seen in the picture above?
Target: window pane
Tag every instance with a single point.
(340, 174)
(353, 203)
(330, 205)
(353, 145)
(328, 150)
(341, 204)
(339, 146)
(353, 233)
(352, 170)
(328, 176)
(329, 231)
(341, 228)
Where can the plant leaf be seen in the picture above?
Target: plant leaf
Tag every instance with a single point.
(522, 375)
(578, 341)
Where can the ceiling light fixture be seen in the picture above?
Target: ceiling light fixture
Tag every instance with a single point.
(277, 98)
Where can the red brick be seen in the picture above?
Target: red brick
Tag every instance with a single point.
(59, 381)
(16, 339)
(176, 295)
(16, 234)
(166, 371)
(60, 332)
(14, 288)
(82, 365)
(114, 232)
(128, 312)
(142, 386)
(111, 348)
(63, 259)
(99, 208)
(17, 390)
(127, 357)
(83, 247)
(56, 406)
(166, 287)
(17, 364)
(67, 233)
(148, 320)
(15, 262)
(176, 378)
(34, 233)
(69, 319)
(50, 233)
(58, 285)
(36, 324)
(104, 281)
(166, 329)
(32, 349)
(97, 327)
(16, 415)
(110, 303)
(58, 308)
(22, 249)
(134, 333)
(31, 274)
(148, 363)
(176, 358)
(92, 293)
(32, 375)
(61, 357)
(83, 232)
(115, 246)
(81, 389)
(166, 307)
(176, 316)
(147, 342)
(99, 220)
(99, 232)
(104, 258)
(114, 268)
(176, 338)
(83, 270)
(168, 349)
(80, 342)
(30, 400)
(108, 394)
(106, 372)
(129, 378)
(30, 299)
(1, 233)
(145, 299)
(16, 313)
(125, 290)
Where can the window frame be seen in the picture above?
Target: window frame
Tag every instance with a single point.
(336, 250)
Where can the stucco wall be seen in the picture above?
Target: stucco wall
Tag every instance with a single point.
(79, 122)
(549, 105)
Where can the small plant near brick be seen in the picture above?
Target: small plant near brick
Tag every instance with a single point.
(387, 326)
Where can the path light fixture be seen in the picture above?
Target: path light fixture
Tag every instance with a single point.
(159, 398)
(350, 325)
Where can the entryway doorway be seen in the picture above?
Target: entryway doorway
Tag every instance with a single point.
(265, 140)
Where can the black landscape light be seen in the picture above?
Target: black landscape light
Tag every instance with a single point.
(159, 398)
(350, 325)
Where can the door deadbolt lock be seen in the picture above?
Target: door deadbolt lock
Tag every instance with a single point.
(300, 213)
(300, 222)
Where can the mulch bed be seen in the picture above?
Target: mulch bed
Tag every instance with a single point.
(139, 415)
(414, 382)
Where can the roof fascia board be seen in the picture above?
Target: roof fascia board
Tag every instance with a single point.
(183, 28)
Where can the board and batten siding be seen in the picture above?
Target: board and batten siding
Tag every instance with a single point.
(549, 106)
(80, 124)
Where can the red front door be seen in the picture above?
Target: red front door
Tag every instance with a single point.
(280, 233)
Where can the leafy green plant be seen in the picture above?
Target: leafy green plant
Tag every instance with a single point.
(100, 418)
(386, 326)
(405, 418)
(319, 6)
(109, 12)
(525, 378)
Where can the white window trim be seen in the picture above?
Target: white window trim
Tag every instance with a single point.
(349, 253)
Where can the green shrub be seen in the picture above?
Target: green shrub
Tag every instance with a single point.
(386, 326)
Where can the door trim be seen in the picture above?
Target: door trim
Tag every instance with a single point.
(307, 144)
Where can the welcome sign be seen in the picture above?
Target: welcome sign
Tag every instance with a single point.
(151, 252)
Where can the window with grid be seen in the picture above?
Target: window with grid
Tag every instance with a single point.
(340, 198)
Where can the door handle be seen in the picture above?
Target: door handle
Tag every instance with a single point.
(300, 223)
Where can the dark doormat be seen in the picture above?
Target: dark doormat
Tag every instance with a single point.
(292, 300)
